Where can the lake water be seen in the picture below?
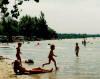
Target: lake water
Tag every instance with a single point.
(86, 66)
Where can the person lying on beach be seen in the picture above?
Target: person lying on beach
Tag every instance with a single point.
(18, 69)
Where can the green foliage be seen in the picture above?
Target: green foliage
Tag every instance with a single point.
(10, 27)
(27, 26)
(69, 36)
(33, 26)
(36, 0)
(15, 12)
(1, 29)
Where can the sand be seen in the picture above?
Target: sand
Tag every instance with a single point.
(6, 71)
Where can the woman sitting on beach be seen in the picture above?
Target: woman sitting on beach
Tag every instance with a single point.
(18, 69)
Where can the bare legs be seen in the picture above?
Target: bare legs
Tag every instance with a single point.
(77, 53)
(50, 62)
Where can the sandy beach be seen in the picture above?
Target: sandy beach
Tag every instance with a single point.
(6, 71)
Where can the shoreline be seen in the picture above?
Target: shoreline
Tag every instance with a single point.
(6, 71)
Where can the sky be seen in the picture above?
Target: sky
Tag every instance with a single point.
(67, 16)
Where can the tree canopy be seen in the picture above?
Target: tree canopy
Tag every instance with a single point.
(34, 26)
(27, 26)
(15, 12)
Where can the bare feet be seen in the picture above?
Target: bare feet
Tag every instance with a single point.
(51, 70)
(43, 65)
(57, 68)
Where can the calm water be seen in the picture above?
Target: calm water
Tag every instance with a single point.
(86, 66)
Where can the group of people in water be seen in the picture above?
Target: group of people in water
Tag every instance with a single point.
(18, 68)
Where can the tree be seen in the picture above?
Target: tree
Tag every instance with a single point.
(10, 27)
(42, 26)
(1, 29)
(52, 33)
(26, 26)
(34, 26)
(15, 12)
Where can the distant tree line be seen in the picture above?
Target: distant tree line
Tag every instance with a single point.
(27, 26)
(72, 35)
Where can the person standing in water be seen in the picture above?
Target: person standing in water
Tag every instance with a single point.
(51, 57)
(18, 52)
(84, 42)
(77, 49)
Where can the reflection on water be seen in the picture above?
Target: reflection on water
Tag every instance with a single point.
(86, 66)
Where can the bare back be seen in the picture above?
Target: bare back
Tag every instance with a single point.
(51, 54)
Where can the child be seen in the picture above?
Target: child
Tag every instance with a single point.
(50, 57)
(18, 52)
(77, 49)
